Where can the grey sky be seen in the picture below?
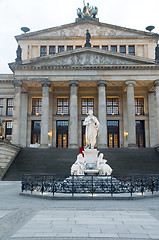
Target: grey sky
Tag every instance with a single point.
(40, 14)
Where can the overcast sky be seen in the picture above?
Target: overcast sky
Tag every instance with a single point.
(41, 14)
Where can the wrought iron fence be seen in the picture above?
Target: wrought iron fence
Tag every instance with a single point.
(90, 184)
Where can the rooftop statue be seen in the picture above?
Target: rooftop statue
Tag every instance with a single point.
(88, 11)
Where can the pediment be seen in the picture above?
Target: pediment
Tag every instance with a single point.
(78, 29)
(85, 57)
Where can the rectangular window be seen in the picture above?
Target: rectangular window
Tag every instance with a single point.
(51, 49)
(132, 50)
(9, 106)
(114, 48)
(1, 106)
(43, 51)
(139, 106)
(69, 48)
(95, 46)
(60, 49)
(123, 49)
(78, 47)
(62, 106)
(87, 104)
(112, 106)
(104, 47)
(8, 130)
(36, 106)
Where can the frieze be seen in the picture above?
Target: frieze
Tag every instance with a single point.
(85, 59)
(80, 30)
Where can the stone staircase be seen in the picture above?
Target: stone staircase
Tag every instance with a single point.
(8, 152)
(124, 161)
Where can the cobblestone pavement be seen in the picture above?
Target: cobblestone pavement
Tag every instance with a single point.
(23, 217)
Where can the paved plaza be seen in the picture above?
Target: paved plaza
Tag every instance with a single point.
(23, 217)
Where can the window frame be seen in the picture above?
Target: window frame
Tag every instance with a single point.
(113, 46)
(112, 106)
(132, 53)
(61, 46)
(42, 52)
(1, 106)
(139, 105)
(63, 106)
(87, 106)
(38, 107)
(50, 53)
(123, 46)
(9, 107)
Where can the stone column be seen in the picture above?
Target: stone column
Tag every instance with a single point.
(17, 113)
(102, 140)
(45, 114)
(131, 114)
(73, 123)
(24, 119)
(156, 83)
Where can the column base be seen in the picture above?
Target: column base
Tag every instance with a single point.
(102, 146)
(73, 146)
(132, 145)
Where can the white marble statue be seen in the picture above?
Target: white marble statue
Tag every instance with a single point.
(79, 166)
(92, 125)
(104, 169)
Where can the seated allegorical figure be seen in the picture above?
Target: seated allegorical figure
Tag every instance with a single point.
(79, 166)
(104, 169)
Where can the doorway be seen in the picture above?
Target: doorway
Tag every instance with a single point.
(62, 134)
(140, 134)
(36, 132)
(113, 134)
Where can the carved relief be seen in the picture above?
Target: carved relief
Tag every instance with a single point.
(80, 30)
(84, 59)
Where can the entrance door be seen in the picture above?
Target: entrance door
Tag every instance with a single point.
(113, 134)
(83, 135)
(62, 134)
(140, 134)
(35, 133)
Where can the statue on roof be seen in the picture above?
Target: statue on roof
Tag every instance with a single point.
(88, 11)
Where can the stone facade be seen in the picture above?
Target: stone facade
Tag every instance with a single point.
(52, 91)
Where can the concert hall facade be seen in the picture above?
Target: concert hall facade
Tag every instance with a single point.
(56, 80)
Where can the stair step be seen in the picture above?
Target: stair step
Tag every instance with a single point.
(59, 161)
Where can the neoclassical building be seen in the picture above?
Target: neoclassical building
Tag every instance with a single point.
(56, 80)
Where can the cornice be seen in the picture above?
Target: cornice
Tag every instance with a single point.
(31, 34)
(132, 67)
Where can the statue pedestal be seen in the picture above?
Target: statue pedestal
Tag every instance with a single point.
(90, 155)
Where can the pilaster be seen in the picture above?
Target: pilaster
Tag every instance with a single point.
(131, 114)
(45, 114)
(102, 140)
(16, 134)
(24, 119)
(73, 123)
(156, 84)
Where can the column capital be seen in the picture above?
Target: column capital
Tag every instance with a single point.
(45, 83)
(156, 83)
(102, 83)
(73, 82)
(17, 83)
(130, 83)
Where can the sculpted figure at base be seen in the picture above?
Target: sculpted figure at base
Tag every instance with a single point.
(92, 126)
(79, 166)
(104, 169)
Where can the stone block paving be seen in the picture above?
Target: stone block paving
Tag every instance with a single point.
(3, 213)
(90, 224)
